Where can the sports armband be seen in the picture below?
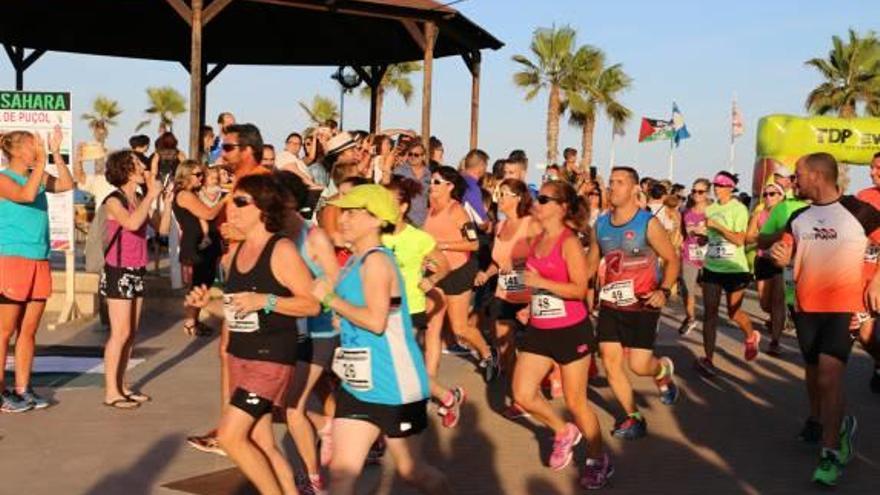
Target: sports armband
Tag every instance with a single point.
(469, 231)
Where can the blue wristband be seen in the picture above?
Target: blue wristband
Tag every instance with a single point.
(271, 301)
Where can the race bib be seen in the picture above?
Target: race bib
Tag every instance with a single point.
(721, 251)
(511, 281)
(872, 254)
(620, 293)
(354, 367)
(239, 322)
(546, 305)
(696, 252)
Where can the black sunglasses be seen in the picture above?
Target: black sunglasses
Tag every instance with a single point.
(544, 199)
(770, 194)
(699, 191)
(230, 146)
(242, 201)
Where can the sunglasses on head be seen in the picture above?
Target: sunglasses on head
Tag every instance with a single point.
(544, 199)
(229, 146)
(242, 201)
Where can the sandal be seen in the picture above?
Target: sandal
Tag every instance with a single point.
(122, 403)
(189, 329)
(137, 396)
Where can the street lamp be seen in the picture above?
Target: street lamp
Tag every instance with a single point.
(348, 80)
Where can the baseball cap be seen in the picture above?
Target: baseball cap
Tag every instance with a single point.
(372, 197)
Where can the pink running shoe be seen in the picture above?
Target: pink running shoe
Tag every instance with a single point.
(563, 445)
(451, 413)
(514, 411)
(752, 346)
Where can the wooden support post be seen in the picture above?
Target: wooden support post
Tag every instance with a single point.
(430, 35)
(20, 62)
(473, 60)
(195, 79)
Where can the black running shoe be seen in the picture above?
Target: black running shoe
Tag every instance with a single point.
(812, 432)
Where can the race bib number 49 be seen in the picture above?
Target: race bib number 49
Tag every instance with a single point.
(620, 293)
(354, 367)
(546, 305)
(239, 322)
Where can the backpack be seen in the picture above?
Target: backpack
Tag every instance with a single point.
(97, 246)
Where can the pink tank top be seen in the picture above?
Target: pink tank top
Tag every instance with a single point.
(550, 311)
(130, 248)
(512, 252)
(443, 228)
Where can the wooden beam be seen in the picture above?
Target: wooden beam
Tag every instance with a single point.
(182, 10)
(474, 61)
(427, 73)
(31, 58)
(214, 72)
(375, 10)
(415, 33)
(212, 10)
(196, 87)
(14, 54)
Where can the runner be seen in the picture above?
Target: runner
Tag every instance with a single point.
(869, 333)
(509, 253)
(415, 249)
(456, 236)
(317, 340)
(827, 296)
(560, 331)
(771, 290)
(267, 288)
(725, 269)
(693, 250)
(384, 383)
(631, 242)
(25, 278)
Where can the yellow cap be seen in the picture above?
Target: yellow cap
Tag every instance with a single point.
(372, 197)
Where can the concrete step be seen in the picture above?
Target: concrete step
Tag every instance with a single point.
(87, 302)
(85, 282)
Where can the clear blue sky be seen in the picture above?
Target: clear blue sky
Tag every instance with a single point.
(698, 53)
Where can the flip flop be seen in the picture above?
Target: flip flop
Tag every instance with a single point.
(190, 329)
(137, 396)
(122, 403)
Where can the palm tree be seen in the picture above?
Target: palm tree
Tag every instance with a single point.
(852, 76)
(396, 78)
(103, 116)
(554, 67)
(321, 110)
(166, 103)
(600, 91)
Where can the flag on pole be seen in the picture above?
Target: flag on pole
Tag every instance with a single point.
(679, 129)
(655, 130)
(736, 122)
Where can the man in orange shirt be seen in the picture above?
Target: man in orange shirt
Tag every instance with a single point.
(242, 150)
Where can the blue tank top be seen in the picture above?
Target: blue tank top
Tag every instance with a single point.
(24, 227)
(384, 369)
(321, 326)
(631, 268)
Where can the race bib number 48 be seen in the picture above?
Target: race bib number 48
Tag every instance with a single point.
(546, 305)
(354, 367)
(620, 293)
(239, 322)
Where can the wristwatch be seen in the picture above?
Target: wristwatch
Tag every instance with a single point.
(666, 291)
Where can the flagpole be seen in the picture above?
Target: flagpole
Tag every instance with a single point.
(611, 153)
(731, 166)
(671, 157)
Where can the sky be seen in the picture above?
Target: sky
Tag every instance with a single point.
(696, 53)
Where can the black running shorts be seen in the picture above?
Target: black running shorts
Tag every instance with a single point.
(824, 333)
(632, 329)
(393, 421)
(563, 345)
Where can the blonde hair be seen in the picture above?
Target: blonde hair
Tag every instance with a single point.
(11, 140)
(184, 173)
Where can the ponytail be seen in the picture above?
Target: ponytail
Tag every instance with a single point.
(577, 212)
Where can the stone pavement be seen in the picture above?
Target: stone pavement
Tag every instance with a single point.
(735, 434)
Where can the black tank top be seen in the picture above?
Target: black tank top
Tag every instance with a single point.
(275, 339)
(191, 232)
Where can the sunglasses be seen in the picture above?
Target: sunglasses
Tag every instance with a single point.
(594, 193)
(699, 191)
(544, 199)
(770, 194)
(198, 174)
(508, 194)
(722, 186)
(230, 146)
(438, 182)
(415, 155)
(242, 201)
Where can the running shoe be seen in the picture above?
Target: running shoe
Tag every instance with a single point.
(597, 472)
(631, 428)
(811, 432)
(490, 365)
(847, 439)
(686, 326)
(753, 346)
(377, 452)
(206, 443)
(452, 412)
(829, 469)
(774, 349)
(513, 411)
(325, 438)
(563, 446)
(666, 384)
(456, 349)
(875, 381)
(705, 367)
(35, 401)
(310, 484)
(11, 402)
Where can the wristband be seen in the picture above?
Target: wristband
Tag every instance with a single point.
(666, 291)
(271, 301)
(328, 299)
